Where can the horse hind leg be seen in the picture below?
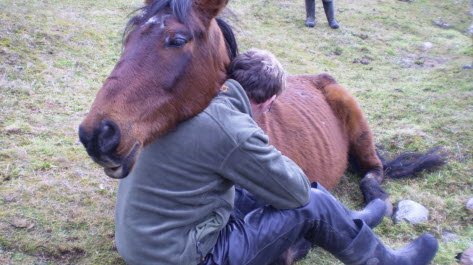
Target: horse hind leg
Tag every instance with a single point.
(361, 142)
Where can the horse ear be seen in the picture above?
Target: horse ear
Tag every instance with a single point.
(148, 2)
(210, 8)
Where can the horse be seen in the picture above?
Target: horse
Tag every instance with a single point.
(320, 125)
(174, 61)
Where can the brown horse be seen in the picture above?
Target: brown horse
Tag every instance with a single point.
(174, 62)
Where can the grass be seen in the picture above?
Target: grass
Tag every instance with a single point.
(57, 207)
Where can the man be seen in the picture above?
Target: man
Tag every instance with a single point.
(179, 205)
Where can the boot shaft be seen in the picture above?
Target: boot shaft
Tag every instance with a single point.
(330, 14)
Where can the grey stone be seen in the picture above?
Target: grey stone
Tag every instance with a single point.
(449, 237)
(439, 22)
(467, 257)
(427, 46)
(9, 198)
(469, 205)
(411, 212)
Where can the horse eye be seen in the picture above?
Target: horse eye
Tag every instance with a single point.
(177, 41)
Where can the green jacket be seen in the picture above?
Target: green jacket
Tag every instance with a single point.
(180, 193)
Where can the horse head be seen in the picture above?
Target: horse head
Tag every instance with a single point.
(173, 63)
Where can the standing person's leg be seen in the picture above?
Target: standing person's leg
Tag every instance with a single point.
(266, 233)
(310, 20)
(330, 13)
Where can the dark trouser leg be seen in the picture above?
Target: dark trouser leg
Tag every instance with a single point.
(310, 13)
(330, 13)
(245, 202)
(266, 232)
(372, 214)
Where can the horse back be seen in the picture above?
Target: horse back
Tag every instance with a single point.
(303, 126)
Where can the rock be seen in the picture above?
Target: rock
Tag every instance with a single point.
(466, 258)
(469, 205)
(363, 60)
(12, 129)
(439, 22)
(407, 1)
(449, 237)
(22, 223)
(427, 46)
(467, 67)
(9, 199)
(411, 212)
(470, 30)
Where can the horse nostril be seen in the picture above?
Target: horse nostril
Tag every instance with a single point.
(108, 136)
(83, 137)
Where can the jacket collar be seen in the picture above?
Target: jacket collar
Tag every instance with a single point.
(234, 92)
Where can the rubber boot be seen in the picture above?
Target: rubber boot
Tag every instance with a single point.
(367, 249)
(330, 13)
(310, 13)
(372, 214)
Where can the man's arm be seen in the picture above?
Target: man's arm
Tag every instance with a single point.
(266, 173)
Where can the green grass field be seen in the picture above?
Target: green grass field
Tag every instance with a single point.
(57, 207)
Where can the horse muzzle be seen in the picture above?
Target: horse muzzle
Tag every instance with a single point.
(101, 145)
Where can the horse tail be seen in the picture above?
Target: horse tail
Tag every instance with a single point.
(347, 109)
(409, 164)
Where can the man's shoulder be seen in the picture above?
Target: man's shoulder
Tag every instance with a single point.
(229, 120)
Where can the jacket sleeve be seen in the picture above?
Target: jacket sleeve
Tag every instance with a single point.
(265, 172)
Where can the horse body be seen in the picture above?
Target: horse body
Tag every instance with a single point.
(303, 126)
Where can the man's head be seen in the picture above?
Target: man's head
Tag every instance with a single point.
(262, 77)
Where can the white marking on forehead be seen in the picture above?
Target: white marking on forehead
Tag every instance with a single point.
(157, 20)
(153, 20)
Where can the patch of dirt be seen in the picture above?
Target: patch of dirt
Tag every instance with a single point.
(363, 60)
(62, 254)
(439, 22)
(421, 61)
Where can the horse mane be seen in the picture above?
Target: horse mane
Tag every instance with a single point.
(230, 40)
(180, 9)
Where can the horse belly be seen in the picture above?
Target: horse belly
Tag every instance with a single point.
(303, 127)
